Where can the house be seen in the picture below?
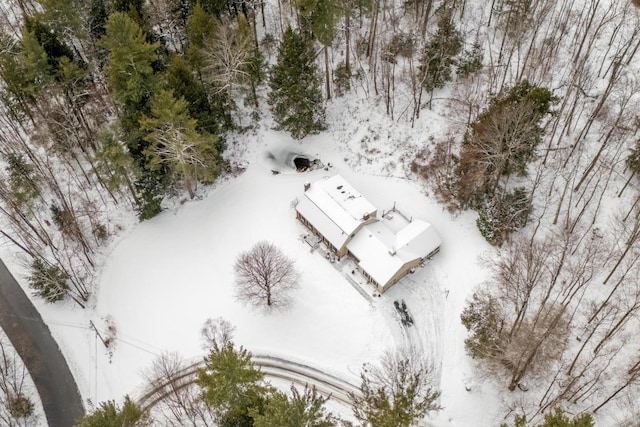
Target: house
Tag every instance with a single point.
(385, 249)
(384, 256)
(334, 211)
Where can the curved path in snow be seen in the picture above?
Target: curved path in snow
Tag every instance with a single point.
(273, 367)
(32, 339)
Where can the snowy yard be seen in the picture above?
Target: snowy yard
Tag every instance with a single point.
(163, 279)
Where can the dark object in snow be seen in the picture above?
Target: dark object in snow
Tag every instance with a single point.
(405, 317)
(301, 163)
(275, 172)
(523, 387)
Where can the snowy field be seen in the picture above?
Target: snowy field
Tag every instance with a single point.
(166, 276)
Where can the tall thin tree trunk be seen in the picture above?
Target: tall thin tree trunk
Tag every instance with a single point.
(327, 72)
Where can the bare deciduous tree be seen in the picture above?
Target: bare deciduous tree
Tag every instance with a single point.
(216, 333)
(228, 56)
(178, 397)
(265, 276)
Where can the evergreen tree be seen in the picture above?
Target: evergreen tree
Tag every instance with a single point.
(48, 281)
(130, 74)
(483, 319)
(633, 160)
(557, 419)
(176, 143)
(24, 186)
(299, 410)
(295, 97)
(200, 28)
(116, 162)
(64, 17)
(319, 18)
(470, 62)
(440, 52)
(209, 111)
(215, 7)
(231, 386)
(398, 394)
(50, 42)
(133, 8)
(97, 19)
(32, 70)
(108, 414)
(129, 71)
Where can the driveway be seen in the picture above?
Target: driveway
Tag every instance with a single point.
(24, 326)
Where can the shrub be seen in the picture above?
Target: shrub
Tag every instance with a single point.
(341, 79)
(19, 406)
(504, 214)
(48, 281)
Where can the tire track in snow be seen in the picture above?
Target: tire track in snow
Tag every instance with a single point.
(425, 335)
(328, 385)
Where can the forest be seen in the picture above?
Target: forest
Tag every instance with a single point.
(112, 107)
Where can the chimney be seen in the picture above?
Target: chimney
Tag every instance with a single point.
(307, 185)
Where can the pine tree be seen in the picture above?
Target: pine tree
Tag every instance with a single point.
(176, 143)
(24, 185)
(130, 74)
(470, 61)
(397, 394)
(109, 414)
(64, 17)
(295, 97)
(129, 71)
(200, 27)
(50, 42)
(299, 410)
(97, 19)
(208, 109)
(48, 281)
(557, 419)
(231, 386)
(319, 17)
(115, 161)
(440, 52)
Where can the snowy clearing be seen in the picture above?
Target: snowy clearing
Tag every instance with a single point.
(168, 275)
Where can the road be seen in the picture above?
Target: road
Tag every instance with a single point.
(31, 337)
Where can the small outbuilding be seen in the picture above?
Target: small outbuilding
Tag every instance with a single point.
(385, 249)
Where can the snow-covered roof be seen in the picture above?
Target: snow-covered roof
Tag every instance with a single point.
(329, 229)
(381, 252)
(418, 238)
(335, 209)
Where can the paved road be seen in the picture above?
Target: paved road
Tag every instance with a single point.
(24, 326)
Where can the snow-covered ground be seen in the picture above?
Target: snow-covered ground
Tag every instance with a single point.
(166, 276)
(15, 369)
(161, 279)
